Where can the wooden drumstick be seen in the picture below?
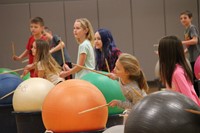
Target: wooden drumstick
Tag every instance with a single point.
(26, 60)
(16, 70)
(7, 95)
(155, 45)
(193, 111)
(89, 69)
(136, 92)
(108, 68)
(62, 51)
(13, 49)
(92, 109)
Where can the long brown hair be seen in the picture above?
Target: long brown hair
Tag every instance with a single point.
(132, 66)
(43, 55)
(171, 52)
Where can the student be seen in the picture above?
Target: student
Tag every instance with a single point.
(175, 72)
(191, 35)
(132, 81)
(56, 47)
(105, 50)
(36, 28)
(83, 32)
(46, 66)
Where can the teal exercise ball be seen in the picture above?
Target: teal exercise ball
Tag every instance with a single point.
(110, 89)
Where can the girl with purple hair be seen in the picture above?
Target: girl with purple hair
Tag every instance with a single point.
(106, 50)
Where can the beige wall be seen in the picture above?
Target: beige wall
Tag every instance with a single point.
(136, 24)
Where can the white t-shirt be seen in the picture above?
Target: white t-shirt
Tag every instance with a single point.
(86, 48)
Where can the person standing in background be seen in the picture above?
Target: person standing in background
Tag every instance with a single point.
(191, 35)
(36, 28)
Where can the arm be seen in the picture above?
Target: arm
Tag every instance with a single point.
(24, 54)
(75, 69)
(192, 41)
(58, 47)
(112, 76)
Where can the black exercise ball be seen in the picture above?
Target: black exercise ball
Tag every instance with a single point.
(163, 112)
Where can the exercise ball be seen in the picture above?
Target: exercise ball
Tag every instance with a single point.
(163, 112)
(115, 129)
(197, 68)
(157, 73)
(27, 76)
(30, 94)
(110, 89)
(3, 70)
(8, 83)
(61, 107)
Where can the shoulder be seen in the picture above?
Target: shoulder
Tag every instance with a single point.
(178, 72)
(116, 51)
(85, 44)
(178, 69)
(193, 28)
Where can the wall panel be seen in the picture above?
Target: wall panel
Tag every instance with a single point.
(53, 15)
(148, 28)
(115, 15)
(14, 27)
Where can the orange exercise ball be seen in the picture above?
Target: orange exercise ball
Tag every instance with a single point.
(61, 107)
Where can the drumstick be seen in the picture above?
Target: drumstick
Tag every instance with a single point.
(92, 109)
(136, 92)
(89, 69)
(108, 68)
(155, 45)
(13, 49)
(7, 95)
(26, 60)
(16, 70)
(193, 111)
(62, 51)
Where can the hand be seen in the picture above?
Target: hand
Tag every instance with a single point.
(112, 76)
(66, 67)
(113, 103)
(29, 67)
(16, 58)
(156, 52)
(64, 74)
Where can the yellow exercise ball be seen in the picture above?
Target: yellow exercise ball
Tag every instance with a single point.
(30, 94)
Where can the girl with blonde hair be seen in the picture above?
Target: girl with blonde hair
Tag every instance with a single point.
(84, 35)
(132, 81)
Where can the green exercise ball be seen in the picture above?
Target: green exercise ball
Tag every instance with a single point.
(27, 76)
(3, 70)
(110, 89)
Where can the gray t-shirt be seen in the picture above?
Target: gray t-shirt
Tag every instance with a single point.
(193, 50)
(131, 97)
